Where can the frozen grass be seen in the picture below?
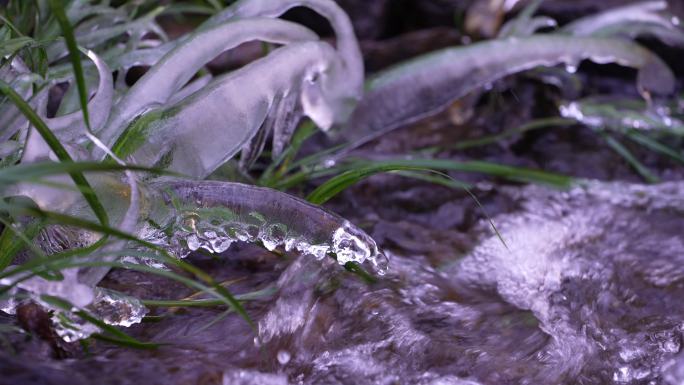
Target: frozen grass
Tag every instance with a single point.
(52, 47)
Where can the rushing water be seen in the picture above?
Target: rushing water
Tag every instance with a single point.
(586, 289)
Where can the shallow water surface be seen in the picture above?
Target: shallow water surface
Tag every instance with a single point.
(586, 289)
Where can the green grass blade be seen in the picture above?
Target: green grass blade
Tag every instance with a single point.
(435, 179)
(57, 7)
(279, 166)
(654, 145)
(10, 47)
(13, 241)
(363, 169)
(209, 302)
(56, 147)
(342, 181)
(630, 158)
(530, 126)
(33, 171)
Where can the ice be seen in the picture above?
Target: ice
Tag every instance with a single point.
(71, 127)
(180, 64)
(648, 18)
(68, 288)
(351, 74)
(198, 134)
(390, 101)
(253, 377)
(213, 215)
(111, 307)
(618, 115)
(284, 357)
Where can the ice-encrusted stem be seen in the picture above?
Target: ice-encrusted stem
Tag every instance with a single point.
(425, 85)
(179, 65)
(650, 19)
(347, 44)
(639, 12)
(198, 134)
(214, 214)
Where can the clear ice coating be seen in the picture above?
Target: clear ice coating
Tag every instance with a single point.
(68, 288)
(623, 115)
(642, 19)
(311, 80)
(181, 63)
(212, 215)
(397, 96)
(198, 134)
(111, 307)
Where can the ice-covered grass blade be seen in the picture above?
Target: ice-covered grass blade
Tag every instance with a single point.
(425, 85)
(161, 254)
(59, 150)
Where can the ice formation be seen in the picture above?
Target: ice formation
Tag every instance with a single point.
(212, 215)
(440, 77)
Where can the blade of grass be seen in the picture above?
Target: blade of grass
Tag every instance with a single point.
(304, 132)
(363, 169)
(630, 158)
(654, 145)
(58, 262)
(436, 179)
(33, 171)
(57, 7)
(209, 302)
(56, 147)
(530, 126)
(342, 181)
(13, 240)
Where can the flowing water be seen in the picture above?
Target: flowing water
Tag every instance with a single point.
(582, 287)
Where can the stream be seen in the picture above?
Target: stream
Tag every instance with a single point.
(586, 290)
